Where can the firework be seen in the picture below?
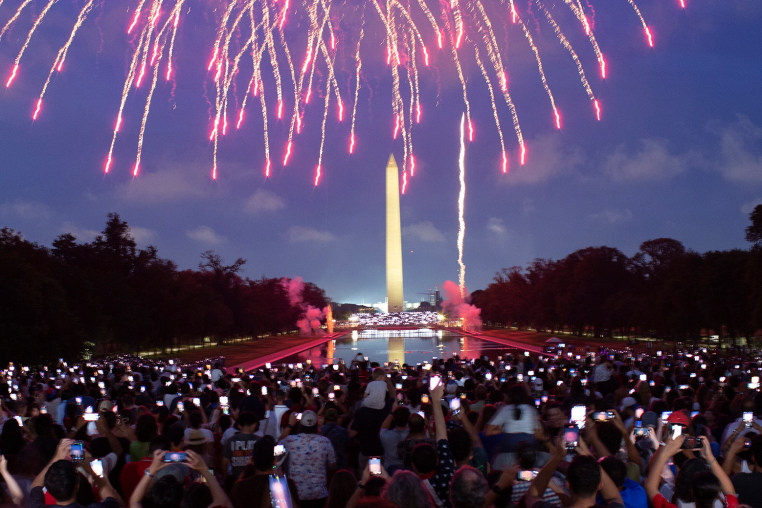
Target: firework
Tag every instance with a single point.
(264, 33)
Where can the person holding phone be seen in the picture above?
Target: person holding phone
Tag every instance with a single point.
(309, 458)
(61, 480)
(706, 486)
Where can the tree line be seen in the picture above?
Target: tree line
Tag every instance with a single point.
(664, 291)
(108, 296)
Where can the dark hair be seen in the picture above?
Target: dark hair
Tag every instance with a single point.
(159, 443)
(146, 428)
(616, 470)
(375, 486)
(416, 424)
(43, 425)
(263, 454)
(684, 478)
(610, 436)
(341, 489)
(197, 495)
(167, 492)
(518, 395)
(584, 476)
(706, 488)
(11, 438)
(246, 418)
(195, 419)
(460, 444)
(424, 458)
(61, 480)
(401, 415)
(756, 448)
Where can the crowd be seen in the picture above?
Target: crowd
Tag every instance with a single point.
(395, 319)
(609, 428)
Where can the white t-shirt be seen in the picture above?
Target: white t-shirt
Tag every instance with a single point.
(505, 417)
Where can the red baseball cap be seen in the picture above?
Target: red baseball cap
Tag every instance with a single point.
(679, 417)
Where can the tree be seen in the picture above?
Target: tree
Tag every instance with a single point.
(754, 231)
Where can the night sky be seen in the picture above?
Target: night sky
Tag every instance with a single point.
(678, 152)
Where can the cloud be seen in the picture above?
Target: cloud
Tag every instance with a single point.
(297, 234)
(27, 210)
(205, 234)
(651, 161)
(496, 226)
(166, 185)
(81, 234)
(612, 216)
(424, 231)
(741, 150)
(142, 236)
(547, 158)
(263, 201)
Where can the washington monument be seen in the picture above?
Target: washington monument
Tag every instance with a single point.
(393, 239)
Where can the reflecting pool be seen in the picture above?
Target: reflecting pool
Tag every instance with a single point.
(404, 346)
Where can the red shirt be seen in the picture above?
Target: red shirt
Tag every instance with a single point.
(660, 501)
(131, 474)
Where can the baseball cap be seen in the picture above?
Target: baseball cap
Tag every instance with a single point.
(627, 402)
(679, 417)
(309, 419)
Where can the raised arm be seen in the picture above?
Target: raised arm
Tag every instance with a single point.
(219, 498)
(17, 495)
(436, 407)
(717, 470)
(658, 462)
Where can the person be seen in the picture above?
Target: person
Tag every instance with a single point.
(392, 437)
(435, 466)
(238, 449)
(14, 490)
(406, 489)
(748, 485)
(145, 430)
(341, 489)
(338, 435)
(468, 488)
(61, 480)
(517, 420)
(308, 460)
(252, 490)
(706, 486)
(375, 391)
(166, 491)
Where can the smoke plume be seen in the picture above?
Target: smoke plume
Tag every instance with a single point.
(460, 308)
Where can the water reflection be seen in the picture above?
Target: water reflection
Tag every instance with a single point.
(405, 346)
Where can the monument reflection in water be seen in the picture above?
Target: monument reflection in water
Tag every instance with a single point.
(404, 346)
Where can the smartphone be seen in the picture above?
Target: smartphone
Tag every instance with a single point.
(90, 417)
(226, 409)
(748, 419)
(691, 443)
(537, 402)
(279, 450)
(175, 457)
(639, 410)
(180, 407)
(455, 405)
(665, 415)
(20, 420)
(315, 392)
(331, 396)
(298, 417)
(571, 436)
(97, 467)
(398, 386)
(424, 399)
(527, 475)
(196, 401)
(280, 496)
(434, 382)
(224, 400)
(77, 451)
(640, 431)
(374, 465)
(159, 403)
(675, 430)
(603, 416)
(578, 416)
(643, 377)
